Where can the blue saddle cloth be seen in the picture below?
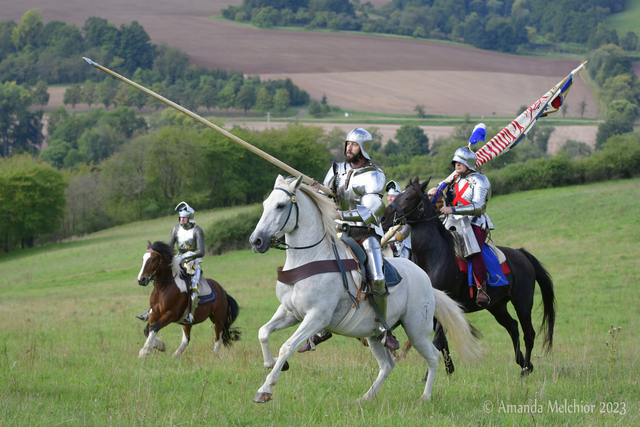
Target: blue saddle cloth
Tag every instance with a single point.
(391, 275)
(495, 276)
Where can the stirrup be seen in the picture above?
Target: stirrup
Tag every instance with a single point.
(482, 303)
(310, 344)
(144, 316)
(389, 341)
(188, 320)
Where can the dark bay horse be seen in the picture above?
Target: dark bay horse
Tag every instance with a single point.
(169, 302)
(433, 248)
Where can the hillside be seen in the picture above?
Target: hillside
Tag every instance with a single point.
(70, 341)
(356, 72)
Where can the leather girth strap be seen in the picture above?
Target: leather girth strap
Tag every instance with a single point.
(327, 266)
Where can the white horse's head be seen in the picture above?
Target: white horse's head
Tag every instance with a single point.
(288, 209)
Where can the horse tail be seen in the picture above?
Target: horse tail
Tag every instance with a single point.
(228, 334)
(543, 278)
(464, 337)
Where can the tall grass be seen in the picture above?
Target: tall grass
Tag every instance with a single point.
(69, 342)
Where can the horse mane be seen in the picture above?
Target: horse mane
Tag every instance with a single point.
(326, 205)
(169, 254)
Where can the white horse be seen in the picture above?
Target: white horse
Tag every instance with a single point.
(306, 219)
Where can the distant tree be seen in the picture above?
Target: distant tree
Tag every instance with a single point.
(420, 111)
(36, 192)
(153, 102)
(107, 91)
(325, 109)
(227, 97)
(619, 120)
(582, 107)
(89, 93)
(576, 149)
(324, 99)
(264, 100)
(630, 41)
(73, 96)
(208, 97)
(41, 94)
(6, 44)
(28, 32)
(100, 34)
(123, 97)
(20, 129)
(281, 100)
(565, 108)
(314, 108)
(171, 62)
(55, 117)
(602, 36)
(135, 47)
(412, 141)
(55, 153)
(246, 98)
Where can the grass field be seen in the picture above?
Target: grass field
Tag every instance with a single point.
(69, 342)
(627, 20)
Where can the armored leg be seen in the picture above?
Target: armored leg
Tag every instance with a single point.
(194, 289)
(371, 246)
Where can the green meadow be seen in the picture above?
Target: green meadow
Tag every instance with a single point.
(69, 342)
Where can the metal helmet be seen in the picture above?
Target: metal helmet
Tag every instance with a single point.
(185, 211)
(465, 156)
(393, 188)
(359, 136)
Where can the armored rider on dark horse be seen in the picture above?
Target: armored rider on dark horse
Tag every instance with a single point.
(467, 193)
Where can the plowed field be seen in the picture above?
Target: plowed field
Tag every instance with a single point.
(357, 72)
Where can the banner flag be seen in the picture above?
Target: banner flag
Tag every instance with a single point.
(512, 134)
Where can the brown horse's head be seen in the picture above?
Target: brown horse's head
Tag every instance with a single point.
(155, 262)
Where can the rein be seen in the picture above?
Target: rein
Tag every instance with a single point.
(279, 244)
(402, 219)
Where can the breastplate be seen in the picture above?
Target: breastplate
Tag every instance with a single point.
(186, 240)
(352, 184)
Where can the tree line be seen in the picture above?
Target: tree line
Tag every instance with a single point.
(506, 26)
(34, 54)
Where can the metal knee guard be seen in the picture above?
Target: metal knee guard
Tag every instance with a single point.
(372, 248)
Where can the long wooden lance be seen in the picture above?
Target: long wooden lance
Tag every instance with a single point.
(207, 123)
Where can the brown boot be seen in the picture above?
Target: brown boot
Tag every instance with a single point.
(482, 298)
(313, 341)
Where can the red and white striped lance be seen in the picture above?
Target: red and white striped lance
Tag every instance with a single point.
(511, 135)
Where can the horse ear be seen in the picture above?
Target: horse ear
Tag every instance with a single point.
(297, 182)
(425, 184)
(148, 244)
(279, 179)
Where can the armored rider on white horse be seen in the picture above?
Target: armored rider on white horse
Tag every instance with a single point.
(359, 185)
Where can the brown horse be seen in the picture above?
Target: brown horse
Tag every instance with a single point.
(170, 300)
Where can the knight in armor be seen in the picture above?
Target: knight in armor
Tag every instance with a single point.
(190, 240)
(466, 194)
(400, 244)
(359, 185)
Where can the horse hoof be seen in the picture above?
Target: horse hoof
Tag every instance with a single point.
(424, 398)
(262, 397)
(176, 356)
(160, 346)
(142, 354)
(526, 371)
(285, 367)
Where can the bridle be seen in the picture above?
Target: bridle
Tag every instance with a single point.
(276, 243)
(403, 218)
(152, 275)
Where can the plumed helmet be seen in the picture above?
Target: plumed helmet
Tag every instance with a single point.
(185, 211)
(359, 136)
(465, 156)
(393, 188)
(479, 133)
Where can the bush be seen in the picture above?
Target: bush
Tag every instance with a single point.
(232, 234)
